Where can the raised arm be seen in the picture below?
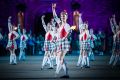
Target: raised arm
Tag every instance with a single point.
(80, 19)
(43, 23)
(16, 34)
(114, 21)
(1, 37)
(19, 31)
(54, 13)
(112, 26)
(9, 24)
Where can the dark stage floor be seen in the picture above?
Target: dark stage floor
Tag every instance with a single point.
(30, 69)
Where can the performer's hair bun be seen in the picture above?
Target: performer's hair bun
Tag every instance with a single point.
(64, 12)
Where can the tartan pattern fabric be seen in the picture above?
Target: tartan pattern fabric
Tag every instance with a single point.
(47, 46)
(91, 44)
(85, 45)
(23, 44)
(11, 45)
(63, 45)
(53, 46)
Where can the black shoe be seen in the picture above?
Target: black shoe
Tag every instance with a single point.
(14, 64)
(65, 76)
(41, 69)
(50, 68)
(87, 66)
(92, 60)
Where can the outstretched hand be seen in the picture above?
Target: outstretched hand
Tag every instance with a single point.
(10, 17)
(53, 5)
(43, 16)
(113, 15)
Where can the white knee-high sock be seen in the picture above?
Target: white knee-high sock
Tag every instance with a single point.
(87, 61)
(65, 68)
(50, 61)
(15, 61)
(44, 61)
(58, 68)
(11, 58)
(89, 53)
(24, 55)
(116, 59)
(79, 60)
(83, 61)
(20, 55)
(111, 59)
(92, 56)
(57, 60)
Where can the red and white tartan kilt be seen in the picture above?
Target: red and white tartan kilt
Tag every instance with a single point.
(47, 46)
(63, 45)
(85, 45)
(11, 45)
(53, 46)
(23, 44)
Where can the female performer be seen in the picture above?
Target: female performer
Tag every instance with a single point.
(63, 43)
(12, 46)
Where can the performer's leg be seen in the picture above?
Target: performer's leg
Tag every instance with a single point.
(24, 54)
(65, 68)
(116, 59)
(57, 58)
(44, 59)
(82, 62)
(79, 59)
(87, 59)
(11, 57)
(58, 64)
(92, 56)
(20, 55)
(15, 60)
(50, 60)
(112, 59)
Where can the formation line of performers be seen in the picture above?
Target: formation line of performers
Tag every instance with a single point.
(56, 44)
(12, 45)
(116, 42)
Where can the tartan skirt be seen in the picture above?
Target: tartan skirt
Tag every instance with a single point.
(85, 45)
(63, 45)
(23, 44)
(53, 46)
(47, 46)
(11, 45)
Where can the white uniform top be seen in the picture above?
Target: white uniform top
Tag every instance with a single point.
(92, 38)
(63, 31)
(23, 37)
(12, 35)
(54, 36)
(84, 36)
(48, 36)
